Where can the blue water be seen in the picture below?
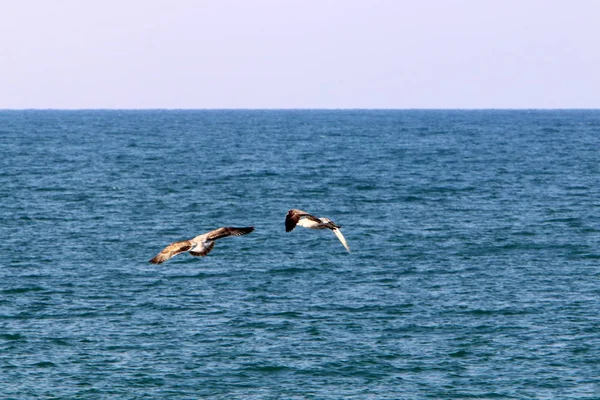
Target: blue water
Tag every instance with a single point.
(474, 272)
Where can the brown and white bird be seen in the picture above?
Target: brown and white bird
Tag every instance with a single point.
(201, 245)
(306, 220)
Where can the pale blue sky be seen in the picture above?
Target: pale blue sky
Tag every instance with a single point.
(300, 54)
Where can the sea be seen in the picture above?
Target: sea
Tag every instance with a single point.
(474, 270)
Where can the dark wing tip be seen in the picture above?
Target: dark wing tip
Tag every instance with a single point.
(229, 231)
(155, 260)
(239, 231)
(245, 230)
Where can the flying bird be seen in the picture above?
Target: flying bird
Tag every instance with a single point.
(201, 245)
(306, 220)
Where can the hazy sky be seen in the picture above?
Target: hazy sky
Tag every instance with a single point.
(300, 54)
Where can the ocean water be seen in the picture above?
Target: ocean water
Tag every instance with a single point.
(474, 271)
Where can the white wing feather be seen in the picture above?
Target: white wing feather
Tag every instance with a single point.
(339, 235)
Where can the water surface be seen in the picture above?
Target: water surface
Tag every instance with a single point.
(474, 270)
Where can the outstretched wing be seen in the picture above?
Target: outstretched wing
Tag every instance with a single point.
(293, 216)
(171, 250)
(228, 231)
(205, 251)
(339, 235)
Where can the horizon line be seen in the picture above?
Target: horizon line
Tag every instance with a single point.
(312, 109)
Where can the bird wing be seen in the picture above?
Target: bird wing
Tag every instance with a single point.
(293, 216)
(171, 250)
(329, 223)
(228, 231)
(204, 251)
(339, 235)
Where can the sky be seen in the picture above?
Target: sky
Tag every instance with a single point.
(199, 54)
